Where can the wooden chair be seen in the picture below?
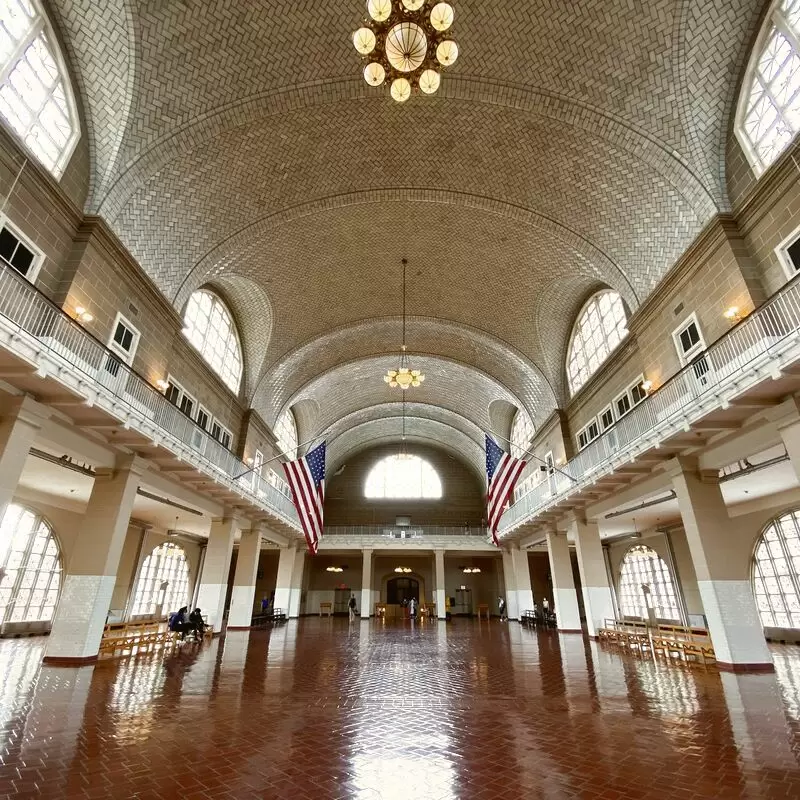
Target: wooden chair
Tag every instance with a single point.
(326, 609)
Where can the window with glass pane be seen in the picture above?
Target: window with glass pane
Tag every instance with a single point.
(31, 567)
(768, 114)
(163, 582)
(35, 95)
(286, 434)
(642, 566)
(776, 573)
(601, 326)
(403, 476)
(209, 327)
(521, 434)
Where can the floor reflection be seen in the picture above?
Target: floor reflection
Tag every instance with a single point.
(324, 708)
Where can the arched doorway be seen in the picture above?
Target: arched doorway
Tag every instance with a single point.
(400, 590)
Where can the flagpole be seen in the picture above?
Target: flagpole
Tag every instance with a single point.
(275, 458)
(538, 458)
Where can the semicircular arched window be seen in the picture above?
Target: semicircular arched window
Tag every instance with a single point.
(645, 582)
(36, 97)
(601, 326)
(403, 476)
(768, 112)
(776, 573)
(209, 327)
(521, 434)
(286, 435)
(163, 582)
(30, 567)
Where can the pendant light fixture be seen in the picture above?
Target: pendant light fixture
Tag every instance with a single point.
(404, 376)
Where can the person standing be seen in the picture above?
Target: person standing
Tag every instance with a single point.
(412, 608)
(352, 607)
(501, 605)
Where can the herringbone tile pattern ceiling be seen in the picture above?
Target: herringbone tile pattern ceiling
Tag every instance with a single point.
(572, 145)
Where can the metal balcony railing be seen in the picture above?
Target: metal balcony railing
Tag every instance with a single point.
(765, 340)
(401, 532)
(28, 318)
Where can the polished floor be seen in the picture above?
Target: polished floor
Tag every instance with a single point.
(325, 709)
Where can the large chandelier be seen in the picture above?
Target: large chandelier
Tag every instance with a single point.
(406, 41)
(404, 376)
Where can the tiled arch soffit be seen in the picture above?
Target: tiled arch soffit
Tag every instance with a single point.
(293, 375)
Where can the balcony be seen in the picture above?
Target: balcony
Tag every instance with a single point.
(415, 537)
(759, 348)
(36, 331)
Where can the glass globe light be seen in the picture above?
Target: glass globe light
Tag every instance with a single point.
(364, 41)
(374, 73)
(401, 90)
(447, 53)
(379, 10)
(413, 5)
(406, 46)
(442, 16)
(429, 81)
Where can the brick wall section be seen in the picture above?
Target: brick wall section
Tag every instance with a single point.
(256, 435)
(462, 499)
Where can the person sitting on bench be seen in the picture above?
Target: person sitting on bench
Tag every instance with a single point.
(197, 624)
(178, 622)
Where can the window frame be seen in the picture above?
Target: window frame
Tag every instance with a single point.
(665, 569)
(782, 252)
(38, 254)
(522, 420)
(184, 395)
(422, 497)
(593, 422)
(139, 593)
(223, 433)
(127, 356)
(290, 454)
(697, 348)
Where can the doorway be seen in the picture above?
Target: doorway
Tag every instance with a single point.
(401, 590)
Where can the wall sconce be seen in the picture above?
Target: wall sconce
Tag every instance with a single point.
(334, 569)
(402, 569)
(82, 315)
(470, 570)
(647, 386)
(162, 385)
(733, 315)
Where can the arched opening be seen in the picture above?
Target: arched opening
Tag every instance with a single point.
(286, 435)
(776, 572)
(646, 584)
(403, 476)
(30, 568)
(521, 434)
(400, 590)
(163, 582)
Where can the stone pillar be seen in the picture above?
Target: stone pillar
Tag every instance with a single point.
(510, 580)
(283, 583)
(244, 580)
(522, 573)
(597, 598)
(296, 589)
(441, 602)
(92, 570)
(366, 584)
(216, 568)
(564, 596)
(727, 596)
(22, 419)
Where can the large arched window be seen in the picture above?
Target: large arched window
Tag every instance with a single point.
(286, 435)
(643, 567)
(768, 113)
(163, 583)
(601, 326)
(209, 327)
(521, 434)
(35, 94)
(403, 476)
(30, 566)
(776, 573)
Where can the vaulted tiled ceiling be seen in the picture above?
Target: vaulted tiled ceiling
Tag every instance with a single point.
(572, 145)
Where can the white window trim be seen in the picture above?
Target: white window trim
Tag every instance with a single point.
(38, 255)
(686, 358)
(593, 421)
(783, 255)
(127, 356)
(183, 393)
(209, 416)
(610, 408)
(222, 429)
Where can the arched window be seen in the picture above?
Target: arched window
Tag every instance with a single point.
(35, 93)
(30, 567)
(403, 476)
(643, 567)
(601, 326)
(209, 327)
(768, 113)
(286, 434)
(163, 583)
(776, 573)
(521, 434)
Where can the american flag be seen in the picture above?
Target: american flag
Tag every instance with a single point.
(503, 472)
(306, 478)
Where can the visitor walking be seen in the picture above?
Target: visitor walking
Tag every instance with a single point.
(501, 605)
(352, 607)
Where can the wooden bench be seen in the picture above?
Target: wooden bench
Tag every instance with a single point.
(274, 615)
(529, 617)
(136, 637)
(668, 640)
(326, 609)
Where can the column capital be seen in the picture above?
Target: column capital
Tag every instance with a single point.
(687, 465)
(25, 409)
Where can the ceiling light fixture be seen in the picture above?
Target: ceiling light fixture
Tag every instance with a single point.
(403, 376)
(334, 569)
(406, 41)
(471, 570)
(404, 570)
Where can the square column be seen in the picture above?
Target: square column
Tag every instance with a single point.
(566, 600)
(522, 573)
(510, 580)
(216, 567)
(441, 602)
(22, 419)
(728, 602)
(790, 434)
(597, 598)
(296, 588)
(92, 570)
(283, 583)
(244, 580)
(366, 584)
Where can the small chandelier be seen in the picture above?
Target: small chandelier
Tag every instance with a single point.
(403, 376)
(404, 570)
(406, 40)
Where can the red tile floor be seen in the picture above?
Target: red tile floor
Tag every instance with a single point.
(325, 709)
